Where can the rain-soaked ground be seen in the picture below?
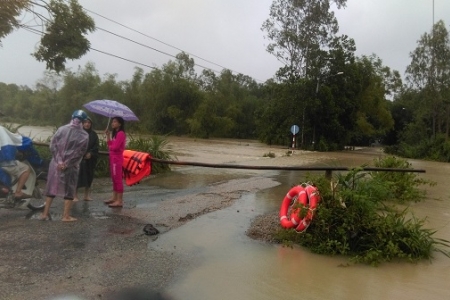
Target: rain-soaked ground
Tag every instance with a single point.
(202, 251)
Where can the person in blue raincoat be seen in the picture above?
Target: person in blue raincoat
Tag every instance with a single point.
(12, 169)
(67, 146)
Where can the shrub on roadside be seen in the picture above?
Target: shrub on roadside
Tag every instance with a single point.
(358, 217)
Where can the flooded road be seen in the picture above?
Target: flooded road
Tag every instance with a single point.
(215, 258)
(223, 263)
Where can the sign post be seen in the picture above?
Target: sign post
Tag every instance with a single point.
(294, 130)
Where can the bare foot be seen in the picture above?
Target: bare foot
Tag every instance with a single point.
(68, 219)
(88, 199)
(75, 200)
(44, 218)
(21, 196)
(116, 204)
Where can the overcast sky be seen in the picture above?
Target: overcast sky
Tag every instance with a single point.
(225, 32)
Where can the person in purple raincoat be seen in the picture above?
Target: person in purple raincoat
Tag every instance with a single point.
(67, 146)
(116, 145)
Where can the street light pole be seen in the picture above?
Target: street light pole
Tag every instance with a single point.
(318, 79)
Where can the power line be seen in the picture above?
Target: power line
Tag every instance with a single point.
(150, 37)
(129, 28)
(154, 49)
(140, 44)
(28, 28)
(38, 32)
(122, 58)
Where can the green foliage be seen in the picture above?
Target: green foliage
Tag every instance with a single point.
(437, 149)
(156, 146)
(297, 29)
(65, 34)
(65, 28)
(357, 217)
(421, 110)
(9, 20)
(102, 168)
(402, 186)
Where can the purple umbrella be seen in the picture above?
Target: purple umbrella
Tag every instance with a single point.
(111, 109)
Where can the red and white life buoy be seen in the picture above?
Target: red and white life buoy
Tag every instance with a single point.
(307, 196)
(313, 198)
(290, 197)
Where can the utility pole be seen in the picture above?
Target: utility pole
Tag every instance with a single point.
(433, 13)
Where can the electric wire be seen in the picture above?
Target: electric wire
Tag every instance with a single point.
(150, 37)
(38, 32)
(155, 39)
(138, 43)
(146, 46)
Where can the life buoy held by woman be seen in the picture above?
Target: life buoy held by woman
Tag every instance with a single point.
(304, 196)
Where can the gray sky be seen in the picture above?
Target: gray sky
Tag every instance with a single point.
(226, 32)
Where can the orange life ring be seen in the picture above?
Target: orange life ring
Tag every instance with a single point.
(311, 200)
(306, 196)
(287, 201)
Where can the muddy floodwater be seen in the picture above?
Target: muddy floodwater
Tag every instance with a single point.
(203, 214)
(223, 263)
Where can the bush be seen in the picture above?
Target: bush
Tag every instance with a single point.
(357, 217)
(157, 147)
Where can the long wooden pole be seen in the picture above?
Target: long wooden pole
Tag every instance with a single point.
(286, 168)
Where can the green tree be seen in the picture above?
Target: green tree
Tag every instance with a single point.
(429, 72)
(65, 28)
(373, 117)
(9, 13)
(79, 88)
(298, 29)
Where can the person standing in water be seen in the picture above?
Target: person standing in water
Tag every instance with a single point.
(67, 146)
(88, 163)
(116, 144)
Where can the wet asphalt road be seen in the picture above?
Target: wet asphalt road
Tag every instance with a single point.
(99, 254)
(106, 250)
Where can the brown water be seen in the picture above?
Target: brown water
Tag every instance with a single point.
(37, 133)
(223, 263)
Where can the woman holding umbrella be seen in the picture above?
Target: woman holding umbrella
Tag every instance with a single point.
(116, 144)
